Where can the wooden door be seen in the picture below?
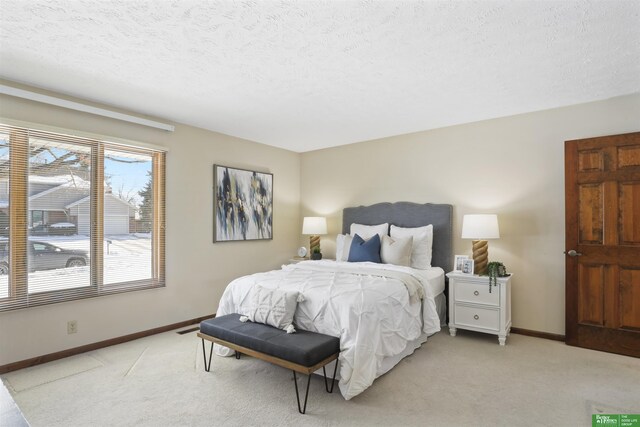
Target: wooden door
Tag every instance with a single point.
(602, 196)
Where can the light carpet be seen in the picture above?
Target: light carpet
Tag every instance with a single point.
(54, 371)
(466, 380)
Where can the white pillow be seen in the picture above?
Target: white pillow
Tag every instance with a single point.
(343, 245)
(272, 306)
(422, 244)
(396, 251)
(368, 231)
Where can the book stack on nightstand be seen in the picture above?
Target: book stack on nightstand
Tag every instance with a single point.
(475, 306)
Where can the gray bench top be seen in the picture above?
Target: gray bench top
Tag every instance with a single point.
(303, 347)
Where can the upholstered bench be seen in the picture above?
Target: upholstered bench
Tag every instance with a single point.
(303, 351)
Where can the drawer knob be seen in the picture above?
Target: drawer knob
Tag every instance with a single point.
(476, 293)
(476, 317)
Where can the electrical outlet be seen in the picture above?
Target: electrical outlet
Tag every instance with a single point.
(72, 326)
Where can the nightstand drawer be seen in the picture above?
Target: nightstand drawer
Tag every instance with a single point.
(485, 318)
(477, 294)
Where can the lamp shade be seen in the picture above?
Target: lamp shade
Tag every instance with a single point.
(480, 227)
(314, 225)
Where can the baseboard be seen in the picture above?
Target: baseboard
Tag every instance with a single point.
(100, 344)
(119, 340)
(538, 334)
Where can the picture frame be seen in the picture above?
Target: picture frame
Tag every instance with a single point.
(242, 204)
(467, 266)
(458, 263)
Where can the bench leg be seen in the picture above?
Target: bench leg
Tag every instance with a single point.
(204, 354)
(306, 396)
(333, 380)
(237, 355)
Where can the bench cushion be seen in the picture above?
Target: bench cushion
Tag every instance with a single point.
(304, 348)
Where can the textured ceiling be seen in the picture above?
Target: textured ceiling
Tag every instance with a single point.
(311, 74)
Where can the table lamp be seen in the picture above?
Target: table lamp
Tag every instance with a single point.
(480, 228)
(314, 226)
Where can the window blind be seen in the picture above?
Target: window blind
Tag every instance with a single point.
(79, 218)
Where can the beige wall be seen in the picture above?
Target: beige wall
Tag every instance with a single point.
(512, 166)
(197, 270)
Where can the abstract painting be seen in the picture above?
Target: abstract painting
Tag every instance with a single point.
(243, 204)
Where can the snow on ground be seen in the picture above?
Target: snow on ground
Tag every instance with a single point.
(63, 225)
(126, 257)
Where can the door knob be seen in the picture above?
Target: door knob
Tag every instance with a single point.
(572, 252)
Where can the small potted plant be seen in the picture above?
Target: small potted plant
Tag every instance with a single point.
(316, 254)
(495, 269)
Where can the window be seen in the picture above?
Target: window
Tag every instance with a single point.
(128, 205)
(37, 219)
(79, 218)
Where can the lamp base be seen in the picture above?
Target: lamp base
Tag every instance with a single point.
(480, 256)
(314, 242)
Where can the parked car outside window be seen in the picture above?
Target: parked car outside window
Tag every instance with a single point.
(45, 256)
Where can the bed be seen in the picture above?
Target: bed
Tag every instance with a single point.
(380, 312)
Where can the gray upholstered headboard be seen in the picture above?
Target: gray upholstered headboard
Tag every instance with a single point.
(408, 214)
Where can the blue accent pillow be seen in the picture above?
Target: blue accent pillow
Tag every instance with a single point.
(362, 250)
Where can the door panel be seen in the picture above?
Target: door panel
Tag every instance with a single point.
(630, 205)
(591, 294)
(629, 296)
(629, 156)
(591, 224)
(602, 194)
(591, 160)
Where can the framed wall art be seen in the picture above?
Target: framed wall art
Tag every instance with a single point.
(242, 204)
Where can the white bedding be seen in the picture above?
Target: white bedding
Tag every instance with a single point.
(364, 304)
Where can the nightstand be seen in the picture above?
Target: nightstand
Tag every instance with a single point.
(296, 260)
(473, 307)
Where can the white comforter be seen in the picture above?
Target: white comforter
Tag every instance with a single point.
(372, 309)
